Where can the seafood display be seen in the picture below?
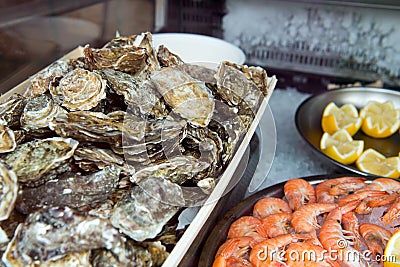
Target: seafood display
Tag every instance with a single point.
(345, 221)
(101, 153)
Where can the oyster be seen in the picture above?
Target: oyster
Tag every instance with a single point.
(11, 110)
(90, 126)
(144, 40)
(80, 89)
(188, 97)
(3, 239)
(8, 191)
(11, 257)
(200, 73)
(167, 58)
(178, 170)
(33, 161)
(7, 139)
(92, 158)
(38, 112)
(52, 233)
(141, 215)
(143, 254)
(129, 59)
(70, 189)
(141, 98)
(41, 81)
(207, 147)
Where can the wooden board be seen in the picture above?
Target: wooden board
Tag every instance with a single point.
(191, 232)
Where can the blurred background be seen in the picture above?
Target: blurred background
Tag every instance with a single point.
(308, 44)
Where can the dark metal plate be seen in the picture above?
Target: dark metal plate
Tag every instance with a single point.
(309, 115)
(219, 233)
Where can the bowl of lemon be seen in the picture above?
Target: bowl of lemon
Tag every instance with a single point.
(357, 129)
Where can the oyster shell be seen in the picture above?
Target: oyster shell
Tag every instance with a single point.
(11, 110)
(7, 139)
(52, 233)
(200, 73)
(12, 258)
(33, 161)
(41, 81)
(144, 40)
(141, 215)
(79, 89)
(92, 158)
(178, 170)
(70, 189)
(143, 254)
(167, 58)
(8, 191)
(188, 97)
(129, 59)
(142, 99)
(38, 112)
(90, 126)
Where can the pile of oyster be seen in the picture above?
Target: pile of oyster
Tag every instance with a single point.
(102, 152)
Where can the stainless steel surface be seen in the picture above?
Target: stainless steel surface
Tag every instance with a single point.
(309, 115)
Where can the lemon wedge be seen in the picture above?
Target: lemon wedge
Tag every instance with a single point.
(335, 118)
(371, 161)
(392, 251)
(380, 120)
(341, 147)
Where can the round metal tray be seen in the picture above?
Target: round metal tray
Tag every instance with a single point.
(219, 233)
(309, 115)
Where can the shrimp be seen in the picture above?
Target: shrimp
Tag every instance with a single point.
(247, 226)
(385, 184)
(376, 237)
(307, 254)
(360, 196)
(267, 252)
(346, 188)
(368, 204)
(305, 219)
(270, 205)
(299, 192)
(322, 190)
(277, 224)
(332, 237)
(392, 213)
(234, 252)
(351, 225)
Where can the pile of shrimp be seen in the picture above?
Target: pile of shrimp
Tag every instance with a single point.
(345, 221)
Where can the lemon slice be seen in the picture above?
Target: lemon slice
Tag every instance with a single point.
(371, 161)
(392, 251)
(341, 147)
(380, 120)
(335, 118)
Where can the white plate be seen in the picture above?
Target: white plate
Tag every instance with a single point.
(200, 49)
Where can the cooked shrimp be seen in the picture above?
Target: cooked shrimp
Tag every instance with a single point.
(376, 237)
(392, 213)
(247, 226)
(307, 254)
(277, 224)
(351, 225)
(333, 238)
(267, 252)
(368, 204)
(346, 188)
(270, 205)
(234, 252)
(360, 196)
(299, 192)
(385, 184)
(305, 218)
(322, 190)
